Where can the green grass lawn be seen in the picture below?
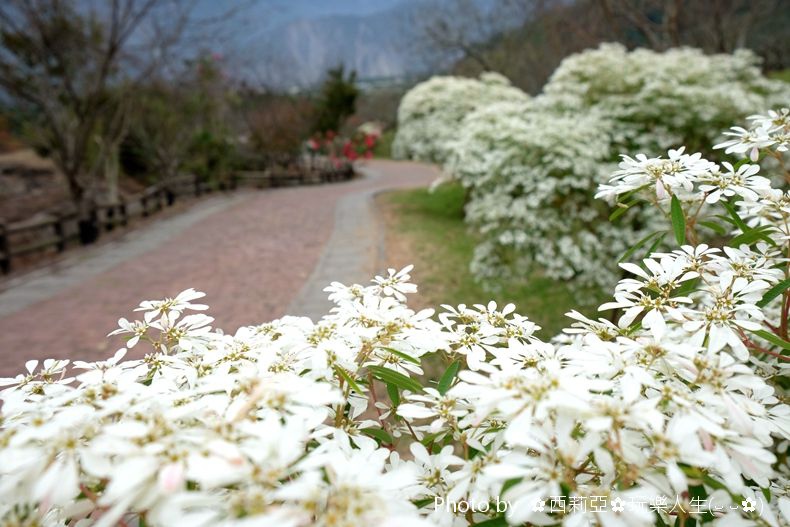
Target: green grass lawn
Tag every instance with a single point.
(783, 75)
(429, 227)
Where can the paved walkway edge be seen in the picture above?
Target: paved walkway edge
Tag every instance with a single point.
(352, 253)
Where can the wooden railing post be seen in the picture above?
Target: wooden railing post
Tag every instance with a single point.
(144, 203)
(123, 217)
(109, 218)
(5, 252)
(60, 235)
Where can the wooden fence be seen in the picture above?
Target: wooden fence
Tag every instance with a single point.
(55, 231)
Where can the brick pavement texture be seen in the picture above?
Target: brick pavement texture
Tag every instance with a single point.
(252, 255)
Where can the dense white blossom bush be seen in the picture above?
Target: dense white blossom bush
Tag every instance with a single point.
(530, 176)
(677, 413)
(430, 114)
(531, 168)
(661, 100)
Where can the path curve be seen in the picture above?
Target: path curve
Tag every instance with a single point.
(257, 254)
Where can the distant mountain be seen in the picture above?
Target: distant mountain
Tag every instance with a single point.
(298, 53)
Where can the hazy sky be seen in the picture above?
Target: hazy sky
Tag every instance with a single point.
(266, 14)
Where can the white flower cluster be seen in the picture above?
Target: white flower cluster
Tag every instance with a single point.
(770, 132)
(532, 167)
(660, 100)
(530, 175)
(430, 114)
(377, 414)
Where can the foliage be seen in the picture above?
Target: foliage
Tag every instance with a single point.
(383, 148)
(360, 145)
(555, 29)
(675, 414)
(531, 175)
(660, 100)
(430, 114)
(277, 123)
(337, 101)
(532, 167)
(74, 71)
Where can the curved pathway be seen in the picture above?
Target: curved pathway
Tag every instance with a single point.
(257, 254)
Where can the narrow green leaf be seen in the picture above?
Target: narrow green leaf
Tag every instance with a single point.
(734, 215)
(751, 236)
(344, 374)
(626, 255)
(448, 376)
(499, 521)
(656, 243)
(678, 220)
(430, 438)
(621, 208)
(715, 227)
(378, 433)
(394, 394)
(396, 378)
(772, 293)
(403, 356)
(423, 502)
(773, 339)
(742, 162)
(687, 287)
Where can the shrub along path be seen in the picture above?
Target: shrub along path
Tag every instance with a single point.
(257, 255)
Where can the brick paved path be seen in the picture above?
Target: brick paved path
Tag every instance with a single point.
(257, 255)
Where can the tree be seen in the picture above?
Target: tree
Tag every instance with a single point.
(463, 29)
(553, 29)
(338, 99)
(278, 123)
(171, 121)
(75, 66)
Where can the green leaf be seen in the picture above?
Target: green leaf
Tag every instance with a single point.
(626, 255)
(773, 339)
(656, 243)
(736, 220)
(403, 356)
(344, 374)
(715, 227)
(499, 521)
(394, 394)
(423, 502)
(678, 220)
(742, 162)
(430, 438)
(378, 433)
(448, 376)
(750, 236)
(396, 378)
(686, 287)
(621, 209)
(775, 291)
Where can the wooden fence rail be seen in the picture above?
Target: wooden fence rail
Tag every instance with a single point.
(57, 230)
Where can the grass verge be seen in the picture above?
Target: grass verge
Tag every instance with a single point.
(428, 230)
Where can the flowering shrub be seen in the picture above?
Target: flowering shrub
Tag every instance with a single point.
(531, 175)
(660, 100)
(531, 168)
(430, 114)
(341, 149)
(676, 413)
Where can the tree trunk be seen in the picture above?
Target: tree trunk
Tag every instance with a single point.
(87, 216)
